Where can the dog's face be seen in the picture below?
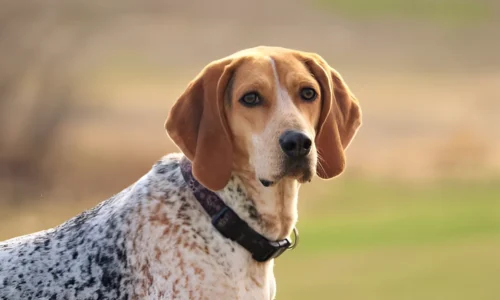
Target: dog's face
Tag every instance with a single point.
(272, 112)
(273, 105)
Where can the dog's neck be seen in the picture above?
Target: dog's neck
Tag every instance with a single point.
(271, 211)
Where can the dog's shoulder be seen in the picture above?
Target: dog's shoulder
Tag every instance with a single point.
(84, 257)
(89, 255)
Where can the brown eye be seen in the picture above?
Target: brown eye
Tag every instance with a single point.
(250, 99)
(308, 94)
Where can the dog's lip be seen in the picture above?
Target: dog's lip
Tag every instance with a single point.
(298, 170)
(265, 182)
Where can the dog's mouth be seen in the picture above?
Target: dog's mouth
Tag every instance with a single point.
(301, 170)
(302, 173)
(266, 183)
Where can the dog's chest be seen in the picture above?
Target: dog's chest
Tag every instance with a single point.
(183, 256)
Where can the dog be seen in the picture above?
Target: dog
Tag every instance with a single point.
(206, 223)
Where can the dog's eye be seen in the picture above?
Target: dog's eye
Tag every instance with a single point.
(250, 99)
(308, 94)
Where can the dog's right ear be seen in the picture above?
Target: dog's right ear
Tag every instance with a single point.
(198, 126)
(340, 117)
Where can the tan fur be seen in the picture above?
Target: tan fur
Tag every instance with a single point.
(208, 116)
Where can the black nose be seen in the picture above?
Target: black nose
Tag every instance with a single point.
(295, 144)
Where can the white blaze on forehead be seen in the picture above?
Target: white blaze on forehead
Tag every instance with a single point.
(283, 100)
(275, 71)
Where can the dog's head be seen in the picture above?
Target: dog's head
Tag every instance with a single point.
(271, 111)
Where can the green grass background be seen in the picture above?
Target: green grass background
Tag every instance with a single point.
(376, 240)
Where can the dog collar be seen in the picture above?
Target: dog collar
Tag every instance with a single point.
(227, 222)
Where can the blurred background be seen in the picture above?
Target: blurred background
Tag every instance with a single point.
(85, 87)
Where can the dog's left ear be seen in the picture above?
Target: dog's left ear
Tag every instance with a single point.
(339, 120)
(198, 126)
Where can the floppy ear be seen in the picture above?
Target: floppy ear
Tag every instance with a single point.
(198, 126)
(339, 120)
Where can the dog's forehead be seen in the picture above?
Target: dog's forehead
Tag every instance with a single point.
(269, 62)
(265, 51)
(276, 54)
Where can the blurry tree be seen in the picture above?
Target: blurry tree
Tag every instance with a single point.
(35, 92)
(40, 41)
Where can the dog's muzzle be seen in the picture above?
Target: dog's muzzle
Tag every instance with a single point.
(296, 146)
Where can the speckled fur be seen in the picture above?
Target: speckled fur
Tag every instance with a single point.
(151, 241)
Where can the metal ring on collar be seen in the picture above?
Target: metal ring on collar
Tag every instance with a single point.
(295, 239)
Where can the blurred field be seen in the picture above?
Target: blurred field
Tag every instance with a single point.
(380, 241)
(85, 87)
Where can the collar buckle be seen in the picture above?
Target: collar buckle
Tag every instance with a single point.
(227, 223)
(274, 250)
